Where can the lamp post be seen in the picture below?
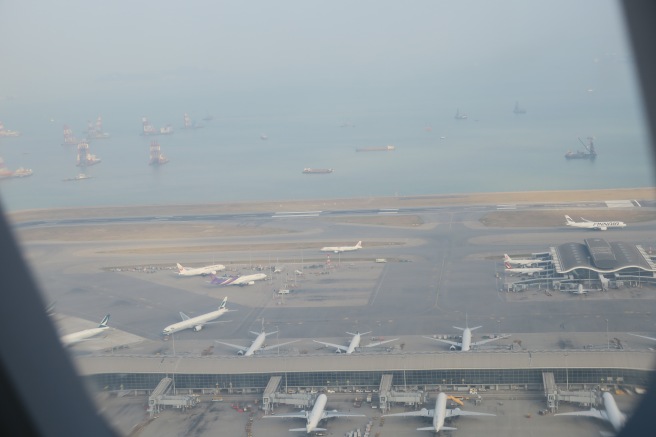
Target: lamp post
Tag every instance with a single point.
(607, 338)
(566, 373)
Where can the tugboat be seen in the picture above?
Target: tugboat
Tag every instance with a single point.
(22, 172)
(84, 158)
(79, 177)
(589, 152)
(156, 157)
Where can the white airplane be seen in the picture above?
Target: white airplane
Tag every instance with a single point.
(256, 346)
(521, 262)
(611, 414)
(522, 270)
(338, 249)
(439, 414)
(237, 280)
(354, 343)
(599, 226)
(76, 337)
(200, 271)
(467, 342)
(196, 323)
(315, 416)
(643, 336)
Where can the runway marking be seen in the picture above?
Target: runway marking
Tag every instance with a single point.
(378, 285)
(504, 206)
(291, 214)
(619, 204)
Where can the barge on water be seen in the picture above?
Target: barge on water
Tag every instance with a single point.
(376, 149)
(317, 170)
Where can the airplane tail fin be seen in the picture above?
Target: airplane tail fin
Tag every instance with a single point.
(569, 219)
(180, 268)
(104, 322)
(507, 264)
(223, 304)
(359, 245)
(506, 258)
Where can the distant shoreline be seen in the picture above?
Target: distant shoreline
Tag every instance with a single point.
(645, 193)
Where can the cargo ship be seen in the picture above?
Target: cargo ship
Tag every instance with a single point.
(156, 157)
(376, 149)
(317, 170)
(6, 133)
(589, 153)
(84, 158)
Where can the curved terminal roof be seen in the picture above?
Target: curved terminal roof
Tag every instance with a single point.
(601, 256)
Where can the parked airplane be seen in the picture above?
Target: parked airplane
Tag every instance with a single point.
(521, 262)
(237, 280)
(196, 323)
(354, 343)
(338, 249)
(643, 336)
(599, 226)
(200, 271)
(522, 270)
(611, 414)
(76, 337)
(466, 343)
(439, 414)
(256, 346)
(315, 416)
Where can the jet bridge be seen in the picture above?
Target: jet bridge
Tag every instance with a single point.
(387, 396)
(273, 397)
(160, 398)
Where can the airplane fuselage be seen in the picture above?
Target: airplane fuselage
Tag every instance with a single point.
(338, 249)
(466, 340)
(201, 271)
(316, 414)
(77, 337)
(194, 322)
(256, 345)
(439, 413)
(355, 342)
(599, 226)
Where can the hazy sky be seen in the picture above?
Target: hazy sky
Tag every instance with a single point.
(69, 50)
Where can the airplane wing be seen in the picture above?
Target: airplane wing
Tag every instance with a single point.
(335, 413)
(487, 340)
(336, 346)
(299, 415)
(184, 316)
(458, 412)
(305, 430)
(593, 412)
(453, 343)
(421, 413)
(241, 348)
(378, 343)
(274, 346)
(643, 336)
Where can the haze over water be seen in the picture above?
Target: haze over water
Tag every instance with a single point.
(389, 71)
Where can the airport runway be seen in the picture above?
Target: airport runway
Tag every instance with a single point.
(438, 274)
